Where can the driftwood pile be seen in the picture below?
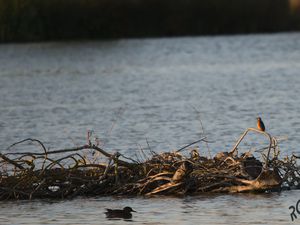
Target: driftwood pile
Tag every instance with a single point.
(79, 171)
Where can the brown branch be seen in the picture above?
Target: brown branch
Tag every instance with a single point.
(184, 147)
(260, 132)
(29, 139)
(94, 147)
(11, 161)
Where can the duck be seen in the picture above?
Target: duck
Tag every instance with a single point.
(124, 213)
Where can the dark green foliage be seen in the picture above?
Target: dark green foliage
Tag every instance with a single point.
(36, 20)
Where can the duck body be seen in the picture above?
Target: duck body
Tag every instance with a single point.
(124, 213)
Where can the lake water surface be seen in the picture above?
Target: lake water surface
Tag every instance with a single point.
(130, 92)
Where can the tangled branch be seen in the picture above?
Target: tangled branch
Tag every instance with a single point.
(89, 170)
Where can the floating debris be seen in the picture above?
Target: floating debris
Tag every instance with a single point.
(81, 171)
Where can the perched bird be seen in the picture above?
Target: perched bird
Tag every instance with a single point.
(260, 124)
(124, 213)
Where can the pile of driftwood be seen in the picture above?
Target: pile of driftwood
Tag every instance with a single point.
(80, 171)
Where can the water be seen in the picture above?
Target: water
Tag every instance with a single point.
(208, 209)
(130, 92)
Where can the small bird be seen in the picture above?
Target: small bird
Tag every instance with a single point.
(260, 124)
(124, 213)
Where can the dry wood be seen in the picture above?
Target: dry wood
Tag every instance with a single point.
(71, 172)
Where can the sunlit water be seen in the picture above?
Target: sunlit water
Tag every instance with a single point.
(130, 92)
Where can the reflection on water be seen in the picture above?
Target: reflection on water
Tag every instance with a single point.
(130, 91)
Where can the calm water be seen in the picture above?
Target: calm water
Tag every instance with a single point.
(157, 90)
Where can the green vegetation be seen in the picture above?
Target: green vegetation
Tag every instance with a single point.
(37, 20)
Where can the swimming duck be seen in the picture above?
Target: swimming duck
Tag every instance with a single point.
(124, 213)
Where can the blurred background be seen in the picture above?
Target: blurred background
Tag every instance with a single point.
(36, 20)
